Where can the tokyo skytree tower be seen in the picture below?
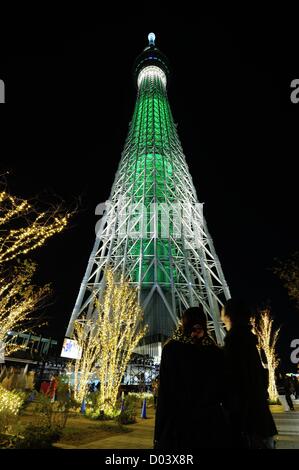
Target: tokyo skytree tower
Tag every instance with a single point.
(153, 229)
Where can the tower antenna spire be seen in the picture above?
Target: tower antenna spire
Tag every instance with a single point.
(151, 39)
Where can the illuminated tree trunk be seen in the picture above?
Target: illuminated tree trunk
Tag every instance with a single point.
(288, 272)
(267, 339)
(18, 300)
(23, 228)
(108, 340)
(120, 330)
(86, 336)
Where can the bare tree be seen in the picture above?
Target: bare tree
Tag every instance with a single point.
(267, 339)
(18, 301)
(108, 340)
(288, 272)
(23, 228)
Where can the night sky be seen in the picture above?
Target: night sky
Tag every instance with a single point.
(70, 97)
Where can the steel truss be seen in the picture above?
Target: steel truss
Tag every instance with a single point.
(141, 371)
(171, 273)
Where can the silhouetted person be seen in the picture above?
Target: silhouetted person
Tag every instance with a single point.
(289, 390)
(246, 381)
(281, 390)
(189, 407)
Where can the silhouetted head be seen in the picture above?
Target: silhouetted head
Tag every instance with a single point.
(235, 312)
(194, 318)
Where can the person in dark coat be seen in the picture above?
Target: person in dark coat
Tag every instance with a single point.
(189, 412)
(246, 381)
(289, 389)
(155, 390)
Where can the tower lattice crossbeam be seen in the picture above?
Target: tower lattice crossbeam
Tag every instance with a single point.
(174, 268)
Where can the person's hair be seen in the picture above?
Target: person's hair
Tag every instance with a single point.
(238, 311)
(194, 316)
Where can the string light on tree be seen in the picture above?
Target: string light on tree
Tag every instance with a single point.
(108, 341)
(121, 330)
(10, 401)
(22, 229)
(32, 228)
(18, 300)
(84, 334)
(267, 339)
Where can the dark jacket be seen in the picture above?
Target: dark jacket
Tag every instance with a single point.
(246, 384)
(189, 412)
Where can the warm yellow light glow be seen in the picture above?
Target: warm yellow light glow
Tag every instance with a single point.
(18, 300)
(10, 401)
(22, 229)
(267, 339)
(33, 229)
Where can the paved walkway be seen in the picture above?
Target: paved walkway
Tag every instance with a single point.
(287, 423)
(140, 436)
(141, 433)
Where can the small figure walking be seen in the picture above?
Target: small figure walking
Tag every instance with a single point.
(155, 390)
(289, 390)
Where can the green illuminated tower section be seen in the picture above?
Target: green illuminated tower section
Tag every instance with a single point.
(153, 229)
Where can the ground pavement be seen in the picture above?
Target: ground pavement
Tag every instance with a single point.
(141, 435)
(287, 423)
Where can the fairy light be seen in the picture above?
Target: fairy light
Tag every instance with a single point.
(267, 339)
(86, 340)
(109, 341)
(22, 240)
(288, 272)
(10, 401)
(22, 229)
(18, 300)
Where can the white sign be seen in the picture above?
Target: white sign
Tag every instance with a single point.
(71, 349)
(2, 93)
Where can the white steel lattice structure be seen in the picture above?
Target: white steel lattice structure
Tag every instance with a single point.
(153, 230)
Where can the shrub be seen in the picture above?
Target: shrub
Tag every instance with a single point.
(93, 399)
(10, 405)
(129, 411)
(100, 415)
(142, 395)
(7, 441)
(274, 402)
(38, 437)
(102, 411)
(43, 409)
(63, 404)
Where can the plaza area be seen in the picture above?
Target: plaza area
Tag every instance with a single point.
(140, 434)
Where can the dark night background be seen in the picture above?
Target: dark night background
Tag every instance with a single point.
(70, 97)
